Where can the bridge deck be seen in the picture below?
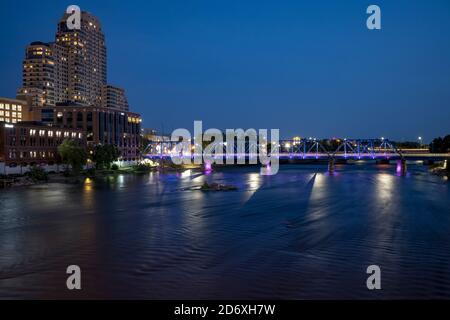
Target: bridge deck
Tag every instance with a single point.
(322, 155)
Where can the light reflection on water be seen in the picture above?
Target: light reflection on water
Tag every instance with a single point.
(299, 234)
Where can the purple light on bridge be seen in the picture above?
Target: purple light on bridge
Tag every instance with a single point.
(208, 167)
(399, 168)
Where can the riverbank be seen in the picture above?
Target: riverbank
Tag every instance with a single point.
(441, 172)
(24, 180)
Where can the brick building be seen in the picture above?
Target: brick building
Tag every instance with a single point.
(100, 126)
(31, 143)
(12, 110)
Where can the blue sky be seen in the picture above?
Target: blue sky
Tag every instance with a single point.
(309, 68)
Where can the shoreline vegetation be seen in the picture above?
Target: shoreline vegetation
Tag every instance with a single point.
(441, 172)
(38, 176)
(217, 187)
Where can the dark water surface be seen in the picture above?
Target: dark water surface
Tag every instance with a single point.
(299, 234)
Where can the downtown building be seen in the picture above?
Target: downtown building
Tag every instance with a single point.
(25, 144)
(65, 86)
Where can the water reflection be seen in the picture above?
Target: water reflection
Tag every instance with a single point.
(186, 174)
(384, 187)
(254, 181)
(88, 185)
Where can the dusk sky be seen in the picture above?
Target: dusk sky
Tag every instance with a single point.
(309, 68)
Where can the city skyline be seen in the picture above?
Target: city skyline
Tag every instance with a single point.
(403, 85)
(65, 87)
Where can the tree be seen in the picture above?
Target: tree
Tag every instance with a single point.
(37, 174)
(104, 155)
(440, 145)
(72, 154)
(408, 145)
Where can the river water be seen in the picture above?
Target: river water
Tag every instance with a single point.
(300, 234)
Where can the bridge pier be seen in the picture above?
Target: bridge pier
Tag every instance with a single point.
(331, 165)
(207, 167)
(402, 167)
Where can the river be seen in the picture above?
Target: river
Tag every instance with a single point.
(301, 234)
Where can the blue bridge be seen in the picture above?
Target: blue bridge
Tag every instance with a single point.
(332, 150)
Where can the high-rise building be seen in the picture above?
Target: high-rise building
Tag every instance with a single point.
(70, 70)
(39, 74)
(61, 73)
(65, 86)
(83, 54)
(114, 97)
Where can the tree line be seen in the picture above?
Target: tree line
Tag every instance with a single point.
(440, 145)
(75, 156)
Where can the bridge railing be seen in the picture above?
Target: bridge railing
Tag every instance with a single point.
(300, 148)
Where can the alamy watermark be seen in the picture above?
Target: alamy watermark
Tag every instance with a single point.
(73, 282)
(374, 20)
(234, 146)
(73, 21)
(374, 280)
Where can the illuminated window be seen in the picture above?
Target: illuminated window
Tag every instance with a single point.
(19, 115)
(58, 134)
(41, 133)
(7, 113)
(2, 119)
(2, 106)
(50, 133)
(14, 114)
(6, 106)
(2, 113)
(32, 132)
(13, 107)
(19, 108)
(14, 121)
